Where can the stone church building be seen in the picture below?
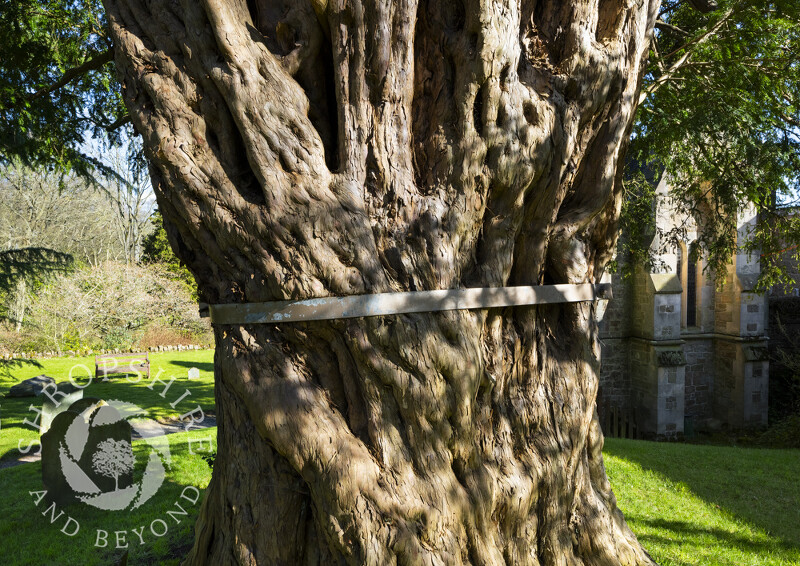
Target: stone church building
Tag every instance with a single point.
(679, 353)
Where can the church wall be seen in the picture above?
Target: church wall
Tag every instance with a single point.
(675, 368)
(699, 394)
(615, 327)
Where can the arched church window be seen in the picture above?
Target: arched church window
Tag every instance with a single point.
(691, 292)
(688, 274)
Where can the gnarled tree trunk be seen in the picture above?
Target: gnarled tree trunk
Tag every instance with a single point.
(312, 148)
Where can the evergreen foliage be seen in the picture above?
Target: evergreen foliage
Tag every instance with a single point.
(57, 82)
(29, 267)
(720, 110)
(31, 263)
(156, 248)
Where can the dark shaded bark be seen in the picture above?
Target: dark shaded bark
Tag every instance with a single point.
(307, 149)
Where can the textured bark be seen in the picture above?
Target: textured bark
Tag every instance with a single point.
(306, 149)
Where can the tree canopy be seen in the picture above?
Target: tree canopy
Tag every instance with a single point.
(720, 112)
(57, 82)
(719, 109)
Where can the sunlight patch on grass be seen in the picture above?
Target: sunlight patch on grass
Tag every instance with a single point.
(708, 505)
(16, 435)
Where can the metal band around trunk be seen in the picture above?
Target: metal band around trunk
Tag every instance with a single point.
(328, 308)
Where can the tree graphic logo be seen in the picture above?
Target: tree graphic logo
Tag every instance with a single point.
(96, 457)
(113, 457)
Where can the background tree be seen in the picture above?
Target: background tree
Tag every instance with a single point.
(125, 183)
(57, 211)
(60, 286)
(720, 113)
(56, 82)
(50, 220)
(156, 249)
(57, 88)
(21, 268)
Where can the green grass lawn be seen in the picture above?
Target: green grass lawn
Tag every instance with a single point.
(26, 535)
(14, 411)
(27, 538)
(709, 505)
(688, 504)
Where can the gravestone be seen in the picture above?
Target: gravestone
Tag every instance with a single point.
(71, 394)
(194, 373)
(81, 405)
(87, 453)
(30, 387)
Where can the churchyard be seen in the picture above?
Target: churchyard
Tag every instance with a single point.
(152, 528)
(688, 504)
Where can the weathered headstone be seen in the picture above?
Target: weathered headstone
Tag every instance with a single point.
(194, 373)
(65, 394)
(30, 387)
(87, 453)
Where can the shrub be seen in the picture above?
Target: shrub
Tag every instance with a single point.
(156, 334)
(111, 305)
(784, 434)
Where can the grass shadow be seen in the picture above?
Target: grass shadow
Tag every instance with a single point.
(758, 486)
(689, 533)
(202, 366)
(166, 400)
(7, 367)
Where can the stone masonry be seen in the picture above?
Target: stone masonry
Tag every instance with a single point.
(681, 352)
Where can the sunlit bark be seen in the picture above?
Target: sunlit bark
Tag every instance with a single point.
(335, 148)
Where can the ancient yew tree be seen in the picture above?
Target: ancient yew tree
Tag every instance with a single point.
(307, 149)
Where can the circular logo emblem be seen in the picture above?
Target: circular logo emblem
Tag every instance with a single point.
(97, 458)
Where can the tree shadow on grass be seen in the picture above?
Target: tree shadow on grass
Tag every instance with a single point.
(759, 486)
(15, 411)
(166, 399)
(7, 367)
(699, 537)
(203, 366)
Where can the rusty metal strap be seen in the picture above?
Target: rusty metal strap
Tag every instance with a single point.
(329, 308)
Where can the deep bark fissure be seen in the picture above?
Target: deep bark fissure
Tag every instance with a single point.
(305, 149)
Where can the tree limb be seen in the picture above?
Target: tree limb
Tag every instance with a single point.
(70, 75)
(662, 25)
(118, 123)
(704, 6)
(790, 120)
(677, 65)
